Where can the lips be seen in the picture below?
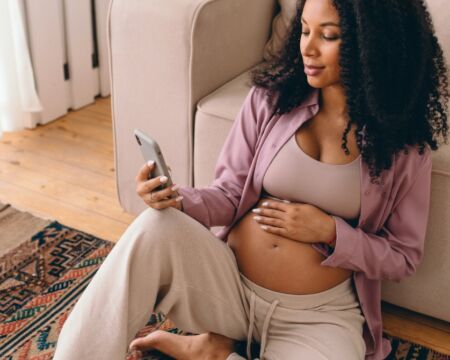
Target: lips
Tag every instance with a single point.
(313, 70)
(314, 66)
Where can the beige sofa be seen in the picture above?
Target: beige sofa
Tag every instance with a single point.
(179, 71)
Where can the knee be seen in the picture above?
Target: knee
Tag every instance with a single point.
(154, 227)
(151, 219)
(165, 221)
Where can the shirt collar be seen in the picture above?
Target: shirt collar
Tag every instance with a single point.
(307, 108)
(312, 99)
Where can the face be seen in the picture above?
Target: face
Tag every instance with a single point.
(319, 43)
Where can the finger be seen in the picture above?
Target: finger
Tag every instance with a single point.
(152, 184)
(268, 221)
(146, 342)
(143, 186)
(148, 186)
(274, 230)
(170, 344)
(277, 199)
(272, 213)
(144, 171)
(168, 192)
(162, 204)
(276, 205)
(141, 344)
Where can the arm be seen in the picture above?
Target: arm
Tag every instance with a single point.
(216, 204)
(395, 251)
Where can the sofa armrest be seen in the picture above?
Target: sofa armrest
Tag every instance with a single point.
(164, 57)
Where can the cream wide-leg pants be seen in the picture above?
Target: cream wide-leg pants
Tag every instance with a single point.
(168, 262)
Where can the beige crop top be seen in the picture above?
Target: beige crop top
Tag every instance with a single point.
(295, 176)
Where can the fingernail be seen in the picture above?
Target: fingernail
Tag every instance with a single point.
(150, 163)
(179, 198)
(257, 218)
(256, 211)
(175, 187)
(163, 179)
(265, 203)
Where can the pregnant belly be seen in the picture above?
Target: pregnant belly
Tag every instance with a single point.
(278, 263)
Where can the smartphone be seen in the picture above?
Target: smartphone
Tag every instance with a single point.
(151, 151)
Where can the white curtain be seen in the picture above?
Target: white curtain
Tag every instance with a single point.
(18, 97)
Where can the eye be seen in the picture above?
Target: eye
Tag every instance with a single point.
(331, 38)
(328, 38)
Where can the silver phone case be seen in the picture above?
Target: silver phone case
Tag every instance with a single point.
(151, 151)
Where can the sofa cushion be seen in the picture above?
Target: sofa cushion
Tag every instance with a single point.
(427, 291)
(213, 120)
(441, 18)
(424, 292)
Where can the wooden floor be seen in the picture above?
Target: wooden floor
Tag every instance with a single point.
(65, 171)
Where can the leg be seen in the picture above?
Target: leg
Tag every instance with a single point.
(323, 343)
(323, 326)
(165, 261)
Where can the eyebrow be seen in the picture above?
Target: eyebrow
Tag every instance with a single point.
(328, 23)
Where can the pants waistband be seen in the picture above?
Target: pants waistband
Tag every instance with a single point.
(301, 301)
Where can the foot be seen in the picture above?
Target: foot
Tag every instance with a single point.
(182, 347)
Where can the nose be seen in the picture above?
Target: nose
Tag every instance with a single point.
(308, 46)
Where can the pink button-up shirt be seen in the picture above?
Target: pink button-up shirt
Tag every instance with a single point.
(388, 241)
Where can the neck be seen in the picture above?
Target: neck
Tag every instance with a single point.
(333, 103)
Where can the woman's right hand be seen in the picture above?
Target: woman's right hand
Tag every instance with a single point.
(160, 199)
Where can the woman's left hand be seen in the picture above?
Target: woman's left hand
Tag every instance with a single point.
(297, 221)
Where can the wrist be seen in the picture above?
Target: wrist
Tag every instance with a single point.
(331, 236)
(331, 242)
(178, 203)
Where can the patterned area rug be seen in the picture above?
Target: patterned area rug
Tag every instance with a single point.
(42, 278)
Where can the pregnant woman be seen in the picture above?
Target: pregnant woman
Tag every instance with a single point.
(323, 186)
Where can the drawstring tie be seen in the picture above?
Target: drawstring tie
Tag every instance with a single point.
(265, 326)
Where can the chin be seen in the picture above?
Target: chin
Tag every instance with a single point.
(317, 84)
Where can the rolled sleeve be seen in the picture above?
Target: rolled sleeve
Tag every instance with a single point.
(395, 251)
(216, 204)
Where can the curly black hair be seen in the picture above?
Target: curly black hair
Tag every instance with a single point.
(393, 73)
